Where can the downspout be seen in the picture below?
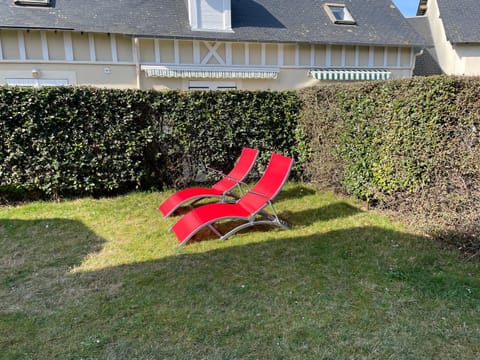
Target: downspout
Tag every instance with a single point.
(414, 61)
(136, 59)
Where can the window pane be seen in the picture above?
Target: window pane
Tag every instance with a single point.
(338, 12)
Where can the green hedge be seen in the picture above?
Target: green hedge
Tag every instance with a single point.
(408, 145)
(76, 141)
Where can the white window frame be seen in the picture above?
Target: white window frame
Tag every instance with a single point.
(212, 85)
(332, 10)
(35, 82)
(32, 2)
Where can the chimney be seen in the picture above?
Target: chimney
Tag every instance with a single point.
(210, 15)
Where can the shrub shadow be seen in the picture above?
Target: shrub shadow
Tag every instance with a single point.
(333, 211)
(36, 256)
(239, 294)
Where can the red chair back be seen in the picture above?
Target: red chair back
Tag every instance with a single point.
(242, 167)
(269, 185)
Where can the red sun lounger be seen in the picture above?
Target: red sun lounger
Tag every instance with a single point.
(247, 208)
(221, 189)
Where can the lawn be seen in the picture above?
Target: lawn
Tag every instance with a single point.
(103, 279)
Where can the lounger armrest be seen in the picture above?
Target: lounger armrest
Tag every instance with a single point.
(253, 192)
(259, 194)
(221, 173)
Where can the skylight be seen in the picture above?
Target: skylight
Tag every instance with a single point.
(339, 14)
(32, 2)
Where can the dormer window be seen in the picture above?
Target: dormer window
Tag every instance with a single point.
(339, 14)
(32, 2)
(210, 15)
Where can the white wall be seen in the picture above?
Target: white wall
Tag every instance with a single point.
(457, 59)
(110, 60)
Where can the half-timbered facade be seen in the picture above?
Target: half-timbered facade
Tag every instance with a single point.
(199, 44)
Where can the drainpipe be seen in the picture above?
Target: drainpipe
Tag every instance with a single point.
(136, 59)
(414, 60)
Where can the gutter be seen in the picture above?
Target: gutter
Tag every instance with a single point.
(414, 61)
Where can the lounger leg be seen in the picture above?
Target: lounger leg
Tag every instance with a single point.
(218, 233)
(276, 222)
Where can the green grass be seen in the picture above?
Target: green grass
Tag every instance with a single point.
(103, 279)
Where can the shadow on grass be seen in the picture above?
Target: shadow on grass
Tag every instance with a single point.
(37, 255)
(299, 218)
(333, 211)
(260, 300)
(297, 192)
(338, 210)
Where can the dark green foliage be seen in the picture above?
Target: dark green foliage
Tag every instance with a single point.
(77, 141)
(407, 145)
(210, 128)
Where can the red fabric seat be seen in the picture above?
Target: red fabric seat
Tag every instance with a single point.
(221, 189)
(247, 208)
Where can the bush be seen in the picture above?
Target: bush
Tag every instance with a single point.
(408, 145)
(79, 141)
(210, 128)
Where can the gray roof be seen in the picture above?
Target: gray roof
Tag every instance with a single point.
(302, 21)
(460, 19)
(422, 27)
(425, 64)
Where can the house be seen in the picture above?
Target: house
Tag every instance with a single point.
(203, 44)
(454, 30)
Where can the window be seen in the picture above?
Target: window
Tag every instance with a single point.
(339, 14)
(36, 82)
(32, 2)
(212, 85)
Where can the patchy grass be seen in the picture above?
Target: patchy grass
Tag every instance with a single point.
(102, 278)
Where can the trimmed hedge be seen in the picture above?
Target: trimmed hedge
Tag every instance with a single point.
(408, 145)
(411, 145)
(64, 141)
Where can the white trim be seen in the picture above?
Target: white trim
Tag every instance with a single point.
(192, 14)
(312, 55)
(412, 60)
(247, 54)
(280, 54)
(264, 55)
(210, 72)
(385, 56)
(1, 50)
(68, 45)
(22, 51)
(212, 52)
(212, 85)
(136, 59)
(328, 55)
(75, 62)
(113, 47)
(196, 52)
(91, 45)
(357, 56)
(347, 19)
(228, 53)
(297, 55)
(158, 55)
(176, 52)
(343, 56)
(371, 56)
(44, 42)
(227, 15)
(35, 82)
(399, 56)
